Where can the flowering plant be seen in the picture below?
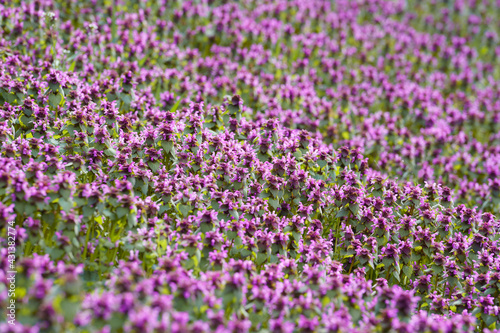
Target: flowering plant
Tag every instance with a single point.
(271, 166)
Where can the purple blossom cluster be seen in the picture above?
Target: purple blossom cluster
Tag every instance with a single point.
(271, 166)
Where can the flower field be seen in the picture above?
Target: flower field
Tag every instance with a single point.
(250, 166)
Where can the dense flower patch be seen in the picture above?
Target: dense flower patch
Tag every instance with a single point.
(270, 166)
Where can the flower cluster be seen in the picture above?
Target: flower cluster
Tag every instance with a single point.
(278, 166)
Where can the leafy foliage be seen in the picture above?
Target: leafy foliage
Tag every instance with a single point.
(198, 167)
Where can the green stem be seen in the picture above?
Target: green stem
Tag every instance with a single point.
(352, 264)
(230, 246)
(337, 235)
(411, 209)
(28, 248)
(89, 229)
(158, 244)
(114, 254)
(52, 229)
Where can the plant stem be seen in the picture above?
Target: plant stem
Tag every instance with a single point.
(352, 264)
(28, 248)
(230, 246)
(337, 235)
(89, 230)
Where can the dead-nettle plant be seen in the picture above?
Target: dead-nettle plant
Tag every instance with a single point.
(300, 166)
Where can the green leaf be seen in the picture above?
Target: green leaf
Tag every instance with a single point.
(176, 105)
(231, 235)
(274, 259)
(10, 98)
(54, 99)
(127, 99)
(387, 263)
(121, 212)
(117, 320)
(55, 253)
(167, 146)
(204, 227)
(215, 204)
(90, 276)
(488, 320)
(437, 269)
(189, 264)
(19, 207)
(25, 121)
(263, 157)
(65, 204)
(54, 86)
(110, 152)
(261, 257)
(69, 309)
(184, 209)
(144, 188)
(255, 318)
(452, 280)
(297, 236)
(341, 213)
(354, 208)
(396, 275)
(322, 163)
(245, 253)
(274, 203)
(490, 291)
(475, 311)
(407, 270)
(154, 166)
(131, 220)
(88, 211)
